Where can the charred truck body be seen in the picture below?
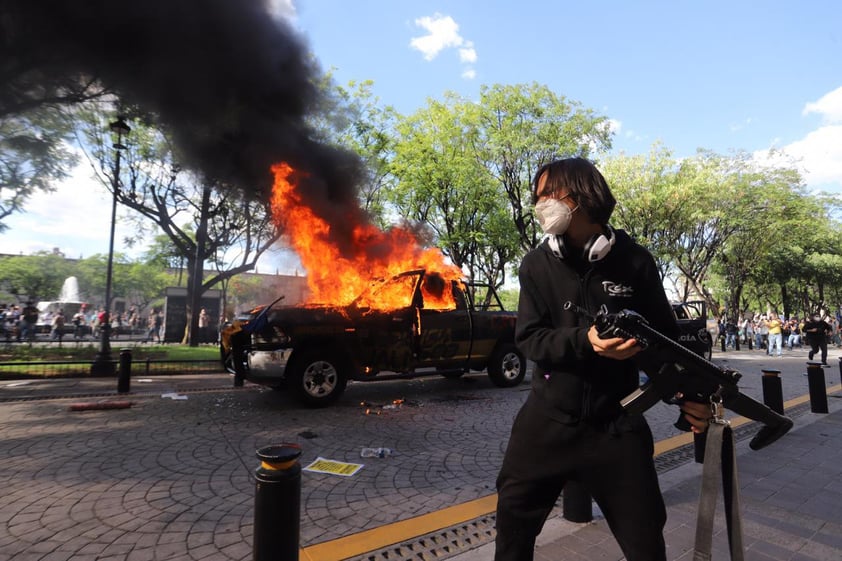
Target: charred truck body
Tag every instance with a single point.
(430, 326)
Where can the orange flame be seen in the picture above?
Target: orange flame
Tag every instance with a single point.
(336, 278)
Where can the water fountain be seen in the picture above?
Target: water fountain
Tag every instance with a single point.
(69, 302)
(69, 290)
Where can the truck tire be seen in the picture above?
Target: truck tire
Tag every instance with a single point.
(317, 378)
(507, 366)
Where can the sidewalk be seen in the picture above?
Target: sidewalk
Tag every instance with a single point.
(791, 504)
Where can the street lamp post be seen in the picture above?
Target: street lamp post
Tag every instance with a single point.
(103, 364)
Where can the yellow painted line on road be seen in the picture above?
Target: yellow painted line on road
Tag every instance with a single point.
(397, 532)
(403, 530)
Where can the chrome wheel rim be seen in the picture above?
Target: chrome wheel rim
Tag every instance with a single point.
(320, 379)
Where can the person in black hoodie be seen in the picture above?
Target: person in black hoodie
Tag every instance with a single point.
(572, 426)
(817, 330)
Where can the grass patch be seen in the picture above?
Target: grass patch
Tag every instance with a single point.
(71, 352)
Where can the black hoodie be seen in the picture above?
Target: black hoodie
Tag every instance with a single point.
(570, 378)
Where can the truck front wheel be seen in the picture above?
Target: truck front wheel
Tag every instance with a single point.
(507, 366)
(317, 380)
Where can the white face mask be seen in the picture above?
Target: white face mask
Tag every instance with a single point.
(553, 215)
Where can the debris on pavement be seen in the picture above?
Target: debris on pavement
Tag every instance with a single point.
(377, 409)
(375, 452)
(100, 405)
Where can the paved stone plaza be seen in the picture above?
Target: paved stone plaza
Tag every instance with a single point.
(171, 477)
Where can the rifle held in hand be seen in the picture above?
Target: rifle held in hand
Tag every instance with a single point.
(683, 372)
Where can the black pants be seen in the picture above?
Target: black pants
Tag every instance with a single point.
(613, 463)
(815, 346)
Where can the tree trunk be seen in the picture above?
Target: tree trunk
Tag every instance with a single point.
(195, 291)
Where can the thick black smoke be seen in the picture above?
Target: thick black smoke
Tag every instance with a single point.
(231, 83)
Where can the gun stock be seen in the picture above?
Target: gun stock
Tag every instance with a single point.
(686, 372)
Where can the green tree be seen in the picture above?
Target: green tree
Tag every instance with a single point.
(34, 155)
(368, 128)
(143, 283)
(653, 205)
(522, 126)
(205, 222)
(464, 169)
(771, 232)
(34, 277)
(438, 174)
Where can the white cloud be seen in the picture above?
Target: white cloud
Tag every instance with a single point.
(819, 153)
(467, 53)
(829, 106)
(443, 33)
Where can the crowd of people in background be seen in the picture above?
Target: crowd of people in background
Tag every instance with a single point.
(773, 334)
(23, 322)
(18, 322)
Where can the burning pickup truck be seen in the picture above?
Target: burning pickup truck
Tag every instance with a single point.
(431, 326)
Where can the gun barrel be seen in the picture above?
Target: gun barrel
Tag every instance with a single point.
(682, 354)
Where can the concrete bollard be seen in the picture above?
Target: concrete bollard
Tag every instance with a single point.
(576, 503)
(816, 384)
(124, 375)
(277, 503)
(773, 394)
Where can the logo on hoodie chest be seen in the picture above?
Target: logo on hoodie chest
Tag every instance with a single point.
(616, 289)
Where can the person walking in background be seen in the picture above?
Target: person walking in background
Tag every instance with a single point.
(132, 321)
(78, 321)
(731, 333)
(758, 331)
(746, 330)
(204, 323)
(794, 339)
(28, 320)
(775, 334)
(834, 331)
(816, 330)
(57, 327)
(154, 324)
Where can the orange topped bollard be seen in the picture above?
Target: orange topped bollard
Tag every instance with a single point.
(277, 503)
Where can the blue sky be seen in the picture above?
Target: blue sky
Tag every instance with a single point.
(737, 75)
(720, 75)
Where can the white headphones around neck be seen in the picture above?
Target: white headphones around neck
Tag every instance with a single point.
(595, 249)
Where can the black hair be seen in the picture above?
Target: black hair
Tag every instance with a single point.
(583, 182)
